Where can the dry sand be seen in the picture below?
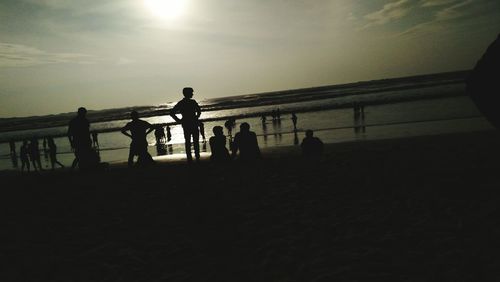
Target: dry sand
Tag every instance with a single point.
(416, 209)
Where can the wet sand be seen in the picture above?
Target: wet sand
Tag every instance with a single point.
(416, 209)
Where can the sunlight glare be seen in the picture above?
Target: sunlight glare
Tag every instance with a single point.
(166, 9)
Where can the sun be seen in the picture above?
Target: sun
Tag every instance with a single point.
(166, 9)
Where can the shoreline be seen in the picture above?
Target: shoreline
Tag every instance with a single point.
(294, 151)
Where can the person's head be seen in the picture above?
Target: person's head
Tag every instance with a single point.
(218, 130)
(82, 112)
(187, 92)
(245, 127)
(134, 115)
(309, 133)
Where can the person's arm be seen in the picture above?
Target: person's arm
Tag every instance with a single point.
(70, 135)
(198, 110)
(256, 143)
(124, 131)
(151, 128)
(234, 147)
(173, 112)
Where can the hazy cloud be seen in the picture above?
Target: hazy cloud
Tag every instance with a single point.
(124, 61)
(445, 14)
(433, 3)
(390, 12)
(16, 55)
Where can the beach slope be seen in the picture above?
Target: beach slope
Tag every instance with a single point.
(416, 209)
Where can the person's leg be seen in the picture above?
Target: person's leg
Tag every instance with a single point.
(38, 161)
(187, 138)
(196, 143)
(130, 157)
(33, 162)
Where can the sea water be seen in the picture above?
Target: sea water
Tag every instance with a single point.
(380, 121)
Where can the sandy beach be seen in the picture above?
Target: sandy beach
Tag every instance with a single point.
(409, 209)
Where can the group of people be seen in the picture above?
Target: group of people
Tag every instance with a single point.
(83, 143)
(29, 154)
(244, 145)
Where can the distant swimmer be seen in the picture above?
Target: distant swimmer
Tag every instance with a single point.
(246, 143)
(139, 129)
(190, 111)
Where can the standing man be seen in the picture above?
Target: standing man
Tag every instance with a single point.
(294, 121)
(190, 111)
(79, 138)
(139, 129)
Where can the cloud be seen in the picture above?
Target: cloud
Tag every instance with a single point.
(124, 61)
(446, 14)
(452, 12)
(16, 55)
(434, 3)
(390, 12)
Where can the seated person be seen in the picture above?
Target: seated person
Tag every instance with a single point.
(246, 142)
(311, 146)
(218, 146)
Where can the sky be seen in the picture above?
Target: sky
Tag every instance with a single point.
(57, 55)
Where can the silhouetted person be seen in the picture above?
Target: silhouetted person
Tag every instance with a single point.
(295, 138)
(45, 150)
(34, 153)
(24, 155)
(273, 114)
(81, 144)
(263, 119)
(202, 130)
(218, 145)
(45, 143)
(483, 84)
(12, 146)
(229, 125)
(13, 158)
(13, 154)
(245, 141)
(169, 134)
(294, 121)
(95, 141)
(161, 150)
(139, 129)
(278, 114)
(311, 146)
(53, 153)
(190, 112)
(159, 134)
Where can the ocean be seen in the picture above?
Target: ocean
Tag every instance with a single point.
(402, 107)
